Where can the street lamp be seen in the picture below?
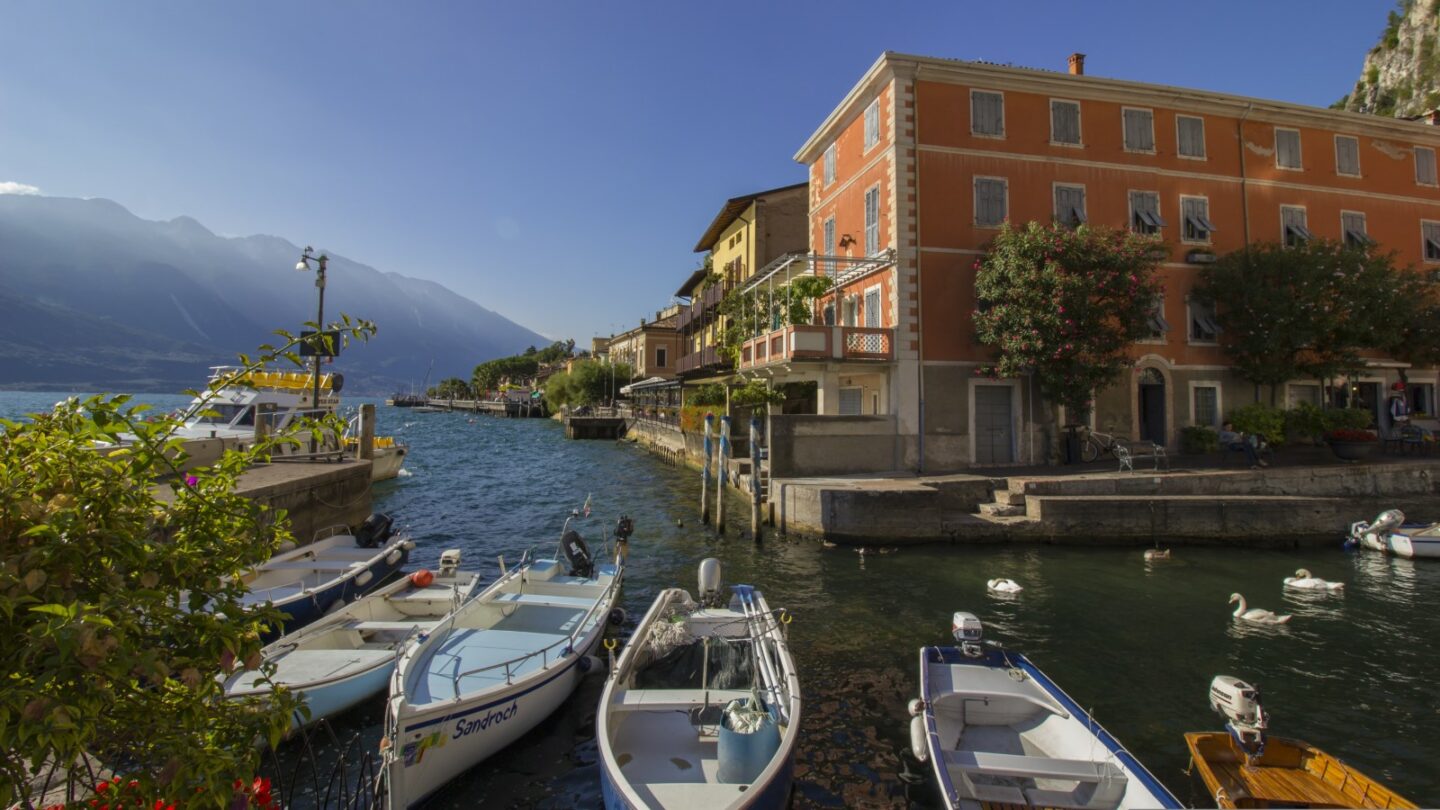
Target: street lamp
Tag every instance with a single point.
(306, 258)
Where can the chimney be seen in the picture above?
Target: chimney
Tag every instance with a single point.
(1077, 64)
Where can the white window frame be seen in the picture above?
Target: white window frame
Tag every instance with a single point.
(853, 302)
(1079, 124)
(828, 167)
(1364, 225)
(1299, 150)
(1209, 235)
(868, 252)
(1424, 257)
(1084, 211)
(872, 124)
(975, 201)
(1125, 145)
(1164, 337)
(1414, 152)
(1189, 322)
(1316, 384)
(1130, 204)
(973, 133)
(1356, 139)
(827, 236)
(864, 313)
(1204, 152)
(1219, 401)
(1304, 215)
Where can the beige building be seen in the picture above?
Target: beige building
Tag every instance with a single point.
(650, 349)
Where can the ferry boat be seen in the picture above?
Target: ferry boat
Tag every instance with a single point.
(1244, 767)
(999, 732)
(1389, 533)
(703, 708)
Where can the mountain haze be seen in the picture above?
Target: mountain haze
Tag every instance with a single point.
(96, 297)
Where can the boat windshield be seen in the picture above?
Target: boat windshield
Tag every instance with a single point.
(219, 413)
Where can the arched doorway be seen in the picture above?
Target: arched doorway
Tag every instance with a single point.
(1150, 405)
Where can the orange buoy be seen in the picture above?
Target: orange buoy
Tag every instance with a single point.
(422, 578)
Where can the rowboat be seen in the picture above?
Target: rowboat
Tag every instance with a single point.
(703, 708)
(1245, 767)
(350, 654)
(306, 582)
(1391, 534)
(998, 731)
(495, 668)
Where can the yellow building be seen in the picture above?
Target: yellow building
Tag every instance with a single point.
(650, 349)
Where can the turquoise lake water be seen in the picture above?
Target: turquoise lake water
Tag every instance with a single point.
(1136, 643)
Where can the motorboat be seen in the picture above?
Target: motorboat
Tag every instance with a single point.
(304, 583)
(1243, 766)
(1391, 534)
(495, 668)
(349, 655)
(388, 455)
(702, 709)
(998, 731)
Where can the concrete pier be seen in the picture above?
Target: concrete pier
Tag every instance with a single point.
(315, 495)
(511, 410)
(594, 427)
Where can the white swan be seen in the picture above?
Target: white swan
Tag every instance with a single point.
(1256, 615)
(1302, 579)
(1153, 554)
(1003, 585)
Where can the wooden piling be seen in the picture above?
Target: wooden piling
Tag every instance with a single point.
(755, 478)
(366, 448)
(705, 471)
(722, 473)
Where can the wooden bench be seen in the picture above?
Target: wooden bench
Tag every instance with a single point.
(544, 600)
(369, 625)
(1127, 451)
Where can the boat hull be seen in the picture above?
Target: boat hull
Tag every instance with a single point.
(1289, 773)
(305, 607)
(334, 698)
(1407, 541)
(387, 463)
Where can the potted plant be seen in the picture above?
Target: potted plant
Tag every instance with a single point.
(1352, 444)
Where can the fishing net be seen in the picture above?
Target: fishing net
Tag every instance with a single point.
(684, 667)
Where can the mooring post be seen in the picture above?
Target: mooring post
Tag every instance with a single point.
(722, 473)
(366, 448)
(705, 470)
(755, 478)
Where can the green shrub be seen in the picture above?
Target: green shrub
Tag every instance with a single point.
(1260, 419)
(1198, 439)
(706, 394)
(1348, 419)
(1305, 422)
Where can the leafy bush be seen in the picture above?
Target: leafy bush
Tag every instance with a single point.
(1305, 421)
(707, 394)
(1198, 439)
(756, 395)
(1260, 419)
(587, 383)
(1348, 418)
(692, 417)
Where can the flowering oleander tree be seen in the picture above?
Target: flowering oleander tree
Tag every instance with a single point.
(1065, 305)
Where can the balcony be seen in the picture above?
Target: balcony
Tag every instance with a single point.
(818, 343)
(707, 299)
(706, 358)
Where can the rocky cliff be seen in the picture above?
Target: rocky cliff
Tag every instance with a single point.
(1401, 74)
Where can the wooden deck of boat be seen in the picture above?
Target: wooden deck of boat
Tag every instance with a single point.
(1290, 774)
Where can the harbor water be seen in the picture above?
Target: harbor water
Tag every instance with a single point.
(1137, 643)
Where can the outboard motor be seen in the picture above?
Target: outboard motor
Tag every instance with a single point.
(1239, 703)
(709, 585)
(374, 531)
(624, 527)
(1370, 533)
(968, 631)
(577, 554)
(449, 562)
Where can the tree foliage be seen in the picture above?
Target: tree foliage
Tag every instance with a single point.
(1065, 305)
(588, 382)
(763, 309)
(120, 600)
(452, 388)
(489, 375)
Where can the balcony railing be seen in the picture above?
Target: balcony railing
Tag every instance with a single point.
(707, 299)
(800, 343)
(696, 361)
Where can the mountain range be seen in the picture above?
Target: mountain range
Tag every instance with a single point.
(96, 298)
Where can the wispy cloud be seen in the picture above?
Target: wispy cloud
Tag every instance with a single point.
(12, 187)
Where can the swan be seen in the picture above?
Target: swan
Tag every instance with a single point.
(1157, 554)
(1256, 615)
(1003, 585)
(1302, 579)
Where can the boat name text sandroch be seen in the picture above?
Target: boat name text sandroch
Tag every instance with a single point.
(467, 727)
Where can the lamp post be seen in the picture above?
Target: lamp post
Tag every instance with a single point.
(306, 258)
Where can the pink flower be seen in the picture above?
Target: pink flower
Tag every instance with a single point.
(191, 481)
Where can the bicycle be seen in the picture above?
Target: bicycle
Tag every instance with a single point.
(1094, 443)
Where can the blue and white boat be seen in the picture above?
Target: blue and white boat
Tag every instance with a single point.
(1390, 534)
(306, 582)
(495, 668)
(350, 654)
(703, 708)
(998, 731)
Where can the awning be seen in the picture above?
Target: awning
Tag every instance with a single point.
(653, 382)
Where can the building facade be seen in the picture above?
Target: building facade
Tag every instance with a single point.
(650, 349)
(916, 169)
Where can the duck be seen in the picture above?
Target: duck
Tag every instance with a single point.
(1157, 554)
(1003, 585)
(1256, 615)
(1302, 579)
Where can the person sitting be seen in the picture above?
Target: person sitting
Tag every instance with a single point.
(1232, 440)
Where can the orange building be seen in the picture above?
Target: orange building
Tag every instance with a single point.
(911, 175)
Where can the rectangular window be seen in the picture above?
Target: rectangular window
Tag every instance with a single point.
(1139, 130)
(1422, 399)
(850, 399)
(1190, 133)
(661, 356)
(830, 243)
(828, 313)
(872, 221)
(1145, 212)
(1158, 325)
(1292, 226)
(1347, 155)
(847, 311)
(872, 307)
(1430, 233)
(987, 114)
(1070, 205)
(990, 201)
(1287, 148)
(1352, 229)
(1203, 328)
(1207, 406)
(1065, 122)
(1195, 220)
(830, 164)
(872, 124)
(1308, 393)
(1424, 166)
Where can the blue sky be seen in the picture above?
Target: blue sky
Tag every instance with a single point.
(554, 161)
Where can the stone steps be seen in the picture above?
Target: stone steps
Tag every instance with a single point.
(1002, 509)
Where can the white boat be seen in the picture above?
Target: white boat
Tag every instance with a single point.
(998, 731)
(350, 654)
(703, 708)
(1391, 534)
(339, 565)
(502, 663)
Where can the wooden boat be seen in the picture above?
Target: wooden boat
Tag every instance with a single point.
(495, 668)
(1245, 767)
(349, 655)
(1389, 533)
(703, 708)
(999, 732)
